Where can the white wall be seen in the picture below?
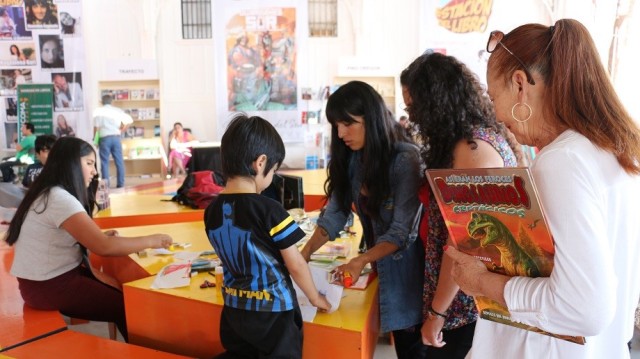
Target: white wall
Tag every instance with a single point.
(142, 29)
(375, 31)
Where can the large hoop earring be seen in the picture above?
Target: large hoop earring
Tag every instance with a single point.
(513, 114)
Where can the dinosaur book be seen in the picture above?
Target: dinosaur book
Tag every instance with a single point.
(495, 215)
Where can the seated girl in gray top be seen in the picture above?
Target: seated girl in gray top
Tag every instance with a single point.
(52, 231)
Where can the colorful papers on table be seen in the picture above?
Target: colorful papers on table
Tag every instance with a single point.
(323, 258)
(336, 249)
(174, 275)
(160, 252)
(187, 256)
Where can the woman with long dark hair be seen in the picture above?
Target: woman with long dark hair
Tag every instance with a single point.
(52, 231)
(376, 168)
(40, 12)
(15, 52)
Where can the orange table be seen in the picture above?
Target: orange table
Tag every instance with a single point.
(19, 322)
(186, 320)
(128, 210)
(133, 267)
(138, 209)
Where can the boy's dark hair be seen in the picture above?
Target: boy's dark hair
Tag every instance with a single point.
(30, 126)
(245, 139)
(44, 142)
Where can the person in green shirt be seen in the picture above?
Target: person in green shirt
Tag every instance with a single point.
(25, 153)
(26, 147)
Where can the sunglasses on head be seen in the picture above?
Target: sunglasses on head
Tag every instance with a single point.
(495, 39)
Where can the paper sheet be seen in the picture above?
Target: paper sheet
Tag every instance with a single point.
(173, 276)
(160, 252)
(186, 256)
(331, 291)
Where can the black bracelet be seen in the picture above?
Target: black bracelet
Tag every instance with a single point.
(432, 311)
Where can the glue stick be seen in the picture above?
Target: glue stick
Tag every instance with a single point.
(347, 280)
(219, 274)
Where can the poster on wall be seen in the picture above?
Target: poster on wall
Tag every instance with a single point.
(40, 45)
(257, 50)
(458, 28)
(35, 105)
(461, 28)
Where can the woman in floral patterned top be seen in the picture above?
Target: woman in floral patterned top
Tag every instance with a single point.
(458, 129)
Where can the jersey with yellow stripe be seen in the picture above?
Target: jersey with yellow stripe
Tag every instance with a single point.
(248, 231)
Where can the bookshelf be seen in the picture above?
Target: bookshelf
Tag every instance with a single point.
(142, 145)
(385, 85)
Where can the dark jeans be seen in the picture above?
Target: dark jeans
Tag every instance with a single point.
(8, 175)
(408, 343)
(458, 341)
(77, 294)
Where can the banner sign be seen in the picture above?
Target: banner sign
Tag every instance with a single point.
(257, 54)
(35, 105)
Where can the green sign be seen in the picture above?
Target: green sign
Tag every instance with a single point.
(35, 105)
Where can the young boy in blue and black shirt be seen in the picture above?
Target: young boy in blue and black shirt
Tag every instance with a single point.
(255, 239)
(43, 145)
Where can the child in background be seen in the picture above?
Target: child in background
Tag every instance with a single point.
(43, 145)
(255, 238)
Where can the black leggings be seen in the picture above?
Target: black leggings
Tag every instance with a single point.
(408, 343)
(458, 341)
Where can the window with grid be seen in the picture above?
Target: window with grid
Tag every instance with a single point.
(196, 19)
(323, 18)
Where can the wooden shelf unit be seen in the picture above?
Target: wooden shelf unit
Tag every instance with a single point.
(142, 146)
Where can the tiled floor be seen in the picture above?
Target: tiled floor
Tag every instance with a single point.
(383, 351)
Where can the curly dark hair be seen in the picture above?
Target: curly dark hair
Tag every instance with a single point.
(447, 103)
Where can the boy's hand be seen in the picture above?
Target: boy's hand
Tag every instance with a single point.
(321, 303)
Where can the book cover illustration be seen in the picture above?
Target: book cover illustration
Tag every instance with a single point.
(137, 94)
(494, 214)
(121, 95)
(152, 94)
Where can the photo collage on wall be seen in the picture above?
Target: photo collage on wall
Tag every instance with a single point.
(41, 43)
